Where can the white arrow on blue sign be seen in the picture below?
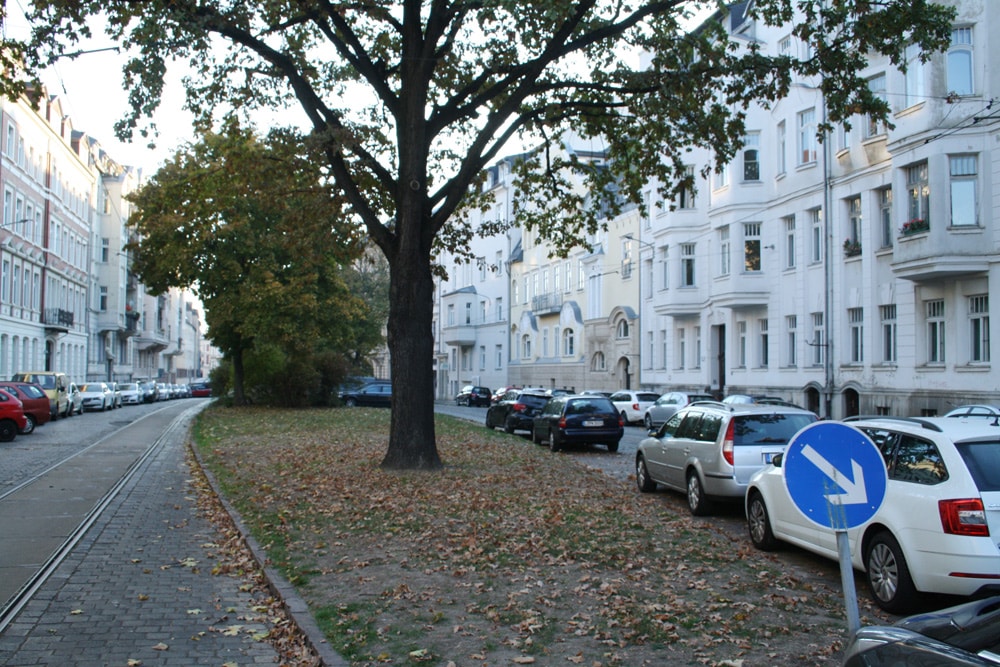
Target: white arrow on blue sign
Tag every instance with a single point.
(835, 475)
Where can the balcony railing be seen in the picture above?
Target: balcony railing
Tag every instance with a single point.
(547, 303)
(57, 317)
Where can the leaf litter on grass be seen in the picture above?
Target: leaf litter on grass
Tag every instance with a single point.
(508, 553)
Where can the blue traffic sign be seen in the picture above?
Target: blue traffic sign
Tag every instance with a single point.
(835, 475)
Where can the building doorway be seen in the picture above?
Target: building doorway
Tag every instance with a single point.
(718, 356)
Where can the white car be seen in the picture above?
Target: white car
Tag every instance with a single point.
(97, 396)
(938, 526)
(631, 405)
(131, 393)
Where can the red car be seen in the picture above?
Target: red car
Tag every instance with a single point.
(12, 417)
(35, 403)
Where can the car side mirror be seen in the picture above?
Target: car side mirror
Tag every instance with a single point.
(776, 461)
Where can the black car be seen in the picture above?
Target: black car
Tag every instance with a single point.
(472, 395)
(374, 394)
(968, 634)
(516, 410)
(580, 419)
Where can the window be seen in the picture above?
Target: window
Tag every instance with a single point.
(888, 317)
(964, 202)
(789, 242)
(663, 348)
(622, 330)
(687, 265)
(781, 141)
(526, 346)
(664, 267)
(854, 221)
(451, 314)
(918, 193)
(979, 327)
(873, 127)
(499, 356)
(855, 317)
(513, 291)
(105, 249)
(5, 284)
(685, 196)
(545, 342)
(721, 178)
(568, 343)
(103, 299)
(914, 76)
(482, 357)
(681, 350)
(499, 308)
(741, 343)
(762, 354)
(751, 247)
(935, 331)
(751, 156)
(697, 348)
(960, 73)
(885, 216)
(816, 234)
(626, 258)
(807, 136)
(598, 363)
(818, 341)
(791, 327)
(724, 250)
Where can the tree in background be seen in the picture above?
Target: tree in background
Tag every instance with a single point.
(253, 228)
(409, 101)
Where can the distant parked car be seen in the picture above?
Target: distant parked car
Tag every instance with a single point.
(376, 394)
(472, 395)
(200, 389)
(34, 402)
(116, 395)
(162, 391)
(12, 419)
(578, 419)
(964, 635)
(75, 399)
(974, 411)
(131, 394)
(937, 528)
(710, 450)
(97, 396)
(631, 405)
(667, 405)
(516, 410)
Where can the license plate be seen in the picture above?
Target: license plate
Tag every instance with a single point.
(593, 422)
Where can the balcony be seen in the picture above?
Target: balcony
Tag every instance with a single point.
(460, 335)
(545, 304)
(57, 319)
(929, 254)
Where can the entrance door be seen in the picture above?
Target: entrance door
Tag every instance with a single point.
(718, 353)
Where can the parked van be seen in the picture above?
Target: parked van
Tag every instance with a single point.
(56, 387)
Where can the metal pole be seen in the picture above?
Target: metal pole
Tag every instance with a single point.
(847, 582)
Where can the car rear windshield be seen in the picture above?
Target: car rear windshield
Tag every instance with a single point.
(589, 406)
(774, 428)
(32, 391)
(983, 461)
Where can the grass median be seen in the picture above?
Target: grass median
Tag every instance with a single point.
(509, 555)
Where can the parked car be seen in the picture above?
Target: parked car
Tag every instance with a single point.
(34, 402)
(599, 392)
(937, 527)
(667, 405)
(963, 635)
(97, 396)
(131, 394)
(200, 389)
(516, 410)
(149, 391)
(974, 411)
(375, 394)
(162, 391)
(75, 399)
(710, 450)
(55, 385)
(12, 419)
(472, 395)
(578, 419)
(631, 405)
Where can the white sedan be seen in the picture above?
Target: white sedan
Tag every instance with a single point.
(938, 526)
(631, 405)
(97, 396)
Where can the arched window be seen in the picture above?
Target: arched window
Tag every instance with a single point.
(598, 364)
(623, 329)
(526, 346)
(569, 343)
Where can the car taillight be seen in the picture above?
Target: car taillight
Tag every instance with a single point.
(963, 517)
(562, 423)
(635, 407)
(519, 407)
(621, 421)
(727, 444)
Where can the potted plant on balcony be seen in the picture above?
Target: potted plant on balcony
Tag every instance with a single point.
(852, 248)
(914, 226)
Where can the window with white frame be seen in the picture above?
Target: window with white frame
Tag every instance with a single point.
(498, 351)
(545, 342)
(816, 235)
(720, 178)
(791, 340)
(856, 320)
(598, 362)
(887, 314)
(789, 224)
(696, 361)
(918, 195)
(499, 309)
(569, 342)
(751, 247)
(567, 276)
(781, 139)
(876, 85)
(627, 258)
(687, 265)
(807, 136)
(724, 251)
(5, 283)
(964, 193)
(468, 312)
(751, 156)
(663, 348)
(914, 76)
(622, 331)
(664, 267)
(513, 290)
(961, 77)
(102, 304)
(741, 343)
(685, 196)
(526, 346)
(482, 357)
(854, 222)
(979, 328)
(651, 350)
(818, 343)
(680, 349)
(934, 310)
(763, 341)
(885, 216)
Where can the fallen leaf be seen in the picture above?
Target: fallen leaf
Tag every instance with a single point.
(161, 647)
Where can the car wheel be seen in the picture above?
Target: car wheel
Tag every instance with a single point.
(534, 436)
(648, 422)
(697, 502)
(625, 418)
(553, 443)
(8, 430)
(888, 575)
(759, 524)
(613, 446)
(508, 426)
(29, 426)
(488, 424)
(350, 402)
(642, 478)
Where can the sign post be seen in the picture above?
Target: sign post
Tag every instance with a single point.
(836, 477)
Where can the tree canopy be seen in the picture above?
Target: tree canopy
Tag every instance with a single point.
(407, 102)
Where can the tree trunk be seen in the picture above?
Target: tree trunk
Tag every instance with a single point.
(412, 442)
(238, 396)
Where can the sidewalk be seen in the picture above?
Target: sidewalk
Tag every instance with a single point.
(138, 588)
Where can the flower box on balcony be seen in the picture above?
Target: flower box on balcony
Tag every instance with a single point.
(852, 248)
(915, 226)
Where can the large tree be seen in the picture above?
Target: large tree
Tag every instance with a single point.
(409, 101)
